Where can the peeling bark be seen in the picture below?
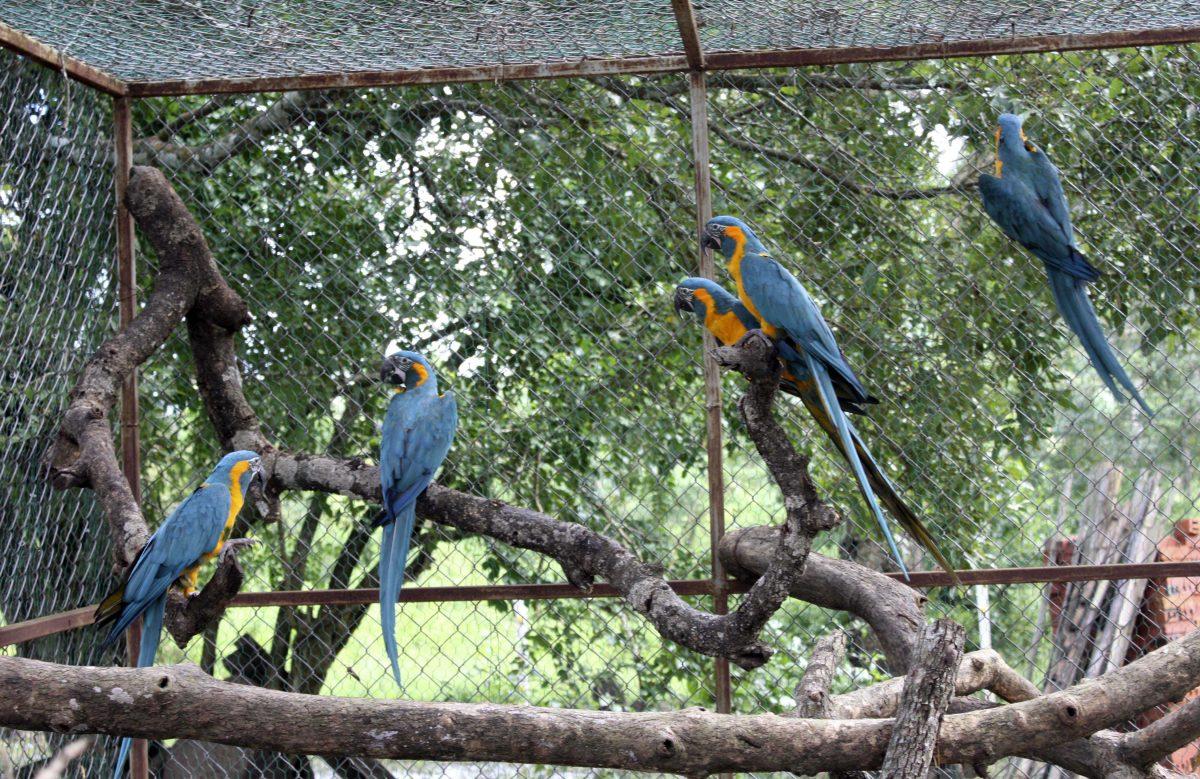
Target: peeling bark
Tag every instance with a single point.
(812, 691)
(927, 692)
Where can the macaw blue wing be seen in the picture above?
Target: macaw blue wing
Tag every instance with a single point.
(1047, 185)
(416, 439)
(784, 303)
(1040, 222)
(192, 529)
(848, 397)
(1018, 211)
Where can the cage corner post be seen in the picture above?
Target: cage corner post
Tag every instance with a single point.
(139, 764)
(712, 381)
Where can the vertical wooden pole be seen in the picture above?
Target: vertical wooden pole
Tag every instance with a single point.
(127, 300)
(712, 377)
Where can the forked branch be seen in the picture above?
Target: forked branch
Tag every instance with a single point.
(190, 287)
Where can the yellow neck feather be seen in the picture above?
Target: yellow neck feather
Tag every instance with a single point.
(236, 498)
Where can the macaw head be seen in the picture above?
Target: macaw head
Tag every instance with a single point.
(239, 468)
(1012, 147)
(728, 235)
(407, 371)
(698, 296)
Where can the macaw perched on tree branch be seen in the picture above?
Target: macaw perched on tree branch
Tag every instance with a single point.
(417, 432)
(777, 302)
(194, 533)
(729, 321)
(1025, 199)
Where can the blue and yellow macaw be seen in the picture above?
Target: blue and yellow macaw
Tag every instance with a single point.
(417, 432)
(782, 308)
(1025, 199)
(195, 532)
(728, 320)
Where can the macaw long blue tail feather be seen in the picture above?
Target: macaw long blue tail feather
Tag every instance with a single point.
(152, 620)
(1071, 297)
(393, 556)
(886, 491)
(834, 410)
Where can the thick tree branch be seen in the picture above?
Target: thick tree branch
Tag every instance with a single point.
(83, 454)
(214, 313)
(982, 670)
(187, 617)
(1142, 748)
(183, 702)
(189, 285)
(927, 692)
(891, 608)
(812, 691)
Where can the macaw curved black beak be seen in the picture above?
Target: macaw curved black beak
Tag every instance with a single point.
(683, 301)
(257, 474)
(710, 239)
(391, 372)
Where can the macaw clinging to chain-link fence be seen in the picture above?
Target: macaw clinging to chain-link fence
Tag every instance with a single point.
(1025, 199)
(194, 533)
(417, 432)
(729, 321)
(787, 314)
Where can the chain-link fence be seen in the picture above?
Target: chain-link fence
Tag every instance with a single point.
(527, 237)
(57, 303)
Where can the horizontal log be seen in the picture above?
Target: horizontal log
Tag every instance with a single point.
(183, 702)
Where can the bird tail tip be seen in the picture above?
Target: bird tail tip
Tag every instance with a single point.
(109, 608)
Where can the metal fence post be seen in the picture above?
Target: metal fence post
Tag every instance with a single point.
(712, 376)
(127, 296)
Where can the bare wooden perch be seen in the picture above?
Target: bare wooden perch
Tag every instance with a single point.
(183, 702)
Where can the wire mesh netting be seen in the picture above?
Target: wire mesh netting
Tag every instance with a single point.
(527, 237)
(56, 306)
(747, 25)
(255, 39)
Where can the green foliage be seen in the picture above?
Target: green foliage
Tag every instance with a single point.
(527, 236)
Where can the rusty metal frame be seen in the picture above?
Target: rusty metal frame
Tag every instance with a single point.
(695, 62)
(673, 63)
(131, 455)
(689, 33)
(1049, 574)
(28, 46)
(694, 58)
(713, 421)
